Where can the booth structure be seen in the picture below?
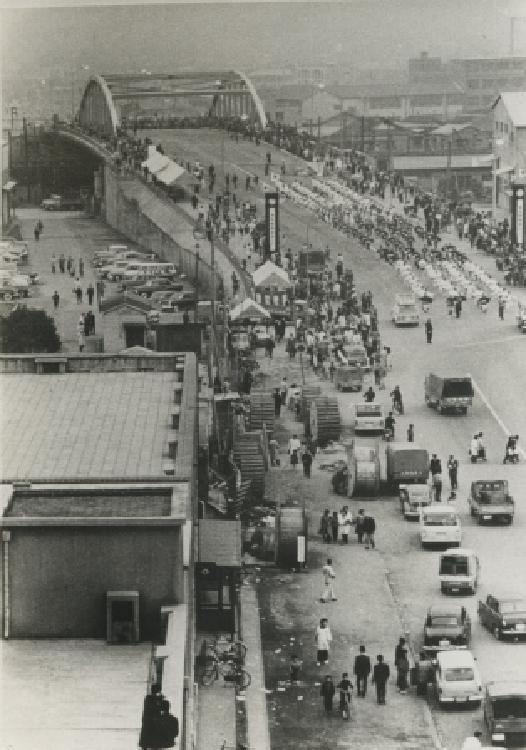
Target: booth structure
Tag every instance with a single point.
(250, 310)
(273, 288)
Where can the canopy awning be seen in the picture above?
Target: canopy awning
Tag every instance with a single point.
(170, 173)
(250, 309)
(155, 161)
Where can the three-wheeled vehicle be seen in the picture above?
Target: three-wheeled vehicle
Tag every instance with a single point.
(459, 571)
(349, 378)
(413, 497)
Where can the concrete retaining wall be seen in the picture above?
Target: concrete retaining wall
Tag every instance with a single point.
(128, 216)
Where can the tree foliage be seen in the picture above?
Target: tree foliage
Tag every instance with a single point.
(26, 331)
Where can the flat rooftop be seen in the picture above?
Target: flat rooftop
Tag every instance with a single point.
(85, 424)
(65, 694)
(89, 505)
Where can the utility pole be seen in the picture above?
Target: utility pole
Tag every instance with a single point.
(26, 159)
(213, 327)
(196, 320)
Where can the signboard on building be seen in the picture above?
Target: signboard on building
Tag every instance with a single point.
(272, 221)
(517, 215)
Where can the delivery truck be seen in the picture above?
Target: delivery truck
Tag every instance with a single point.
(448, 394)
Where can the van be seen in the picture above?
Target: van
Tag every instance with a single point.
(405, 311)
(457, 678)
(440, 524)
(459, 571)
(368, 418)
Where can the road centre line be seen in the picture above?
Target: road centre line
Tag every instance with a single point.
(488, 341)
(493, 413)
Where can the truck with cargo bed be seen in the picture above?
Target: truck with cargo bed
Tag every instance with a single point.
(406, 463)
(448, 394)
(490, 501)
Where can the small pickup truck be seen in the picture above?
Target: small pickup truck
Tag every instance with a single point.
(504, 616)
(412, 498)
(505, 712)
(447, 624)
(490, 501)
(61, 203)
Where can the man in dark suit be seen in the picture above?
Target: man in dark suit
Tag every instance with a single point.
(362, 669)
(381, 674)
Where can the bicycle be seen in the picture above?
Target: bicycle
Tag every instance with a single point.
(230, 671)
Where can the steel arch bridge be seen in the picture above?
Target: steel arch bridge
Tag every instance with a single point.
(108, 99)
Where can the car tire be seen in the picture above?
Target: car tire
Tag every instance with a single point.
(497, 632)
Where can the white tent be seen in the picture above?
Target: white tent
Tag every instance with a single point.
(271, 275)
(155, 161)
(249, 308)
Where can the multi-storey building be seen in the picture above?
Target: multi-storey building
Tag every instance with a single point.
(509, 144)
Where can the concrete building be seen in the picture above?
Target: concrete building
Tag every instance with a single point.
(112, 438)
(482, 79)
(509, 137)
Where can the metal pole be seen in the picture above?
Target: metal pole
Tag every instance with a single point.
(196, 283)
(448, 163)
(493, 187)
(213, 327)
(26, 159)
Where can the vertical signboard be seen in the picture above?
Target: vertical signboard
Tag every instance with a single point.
(517, 215)
(272, 221)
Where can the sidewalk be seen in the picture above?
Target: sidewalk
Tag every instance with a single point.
(364, 613)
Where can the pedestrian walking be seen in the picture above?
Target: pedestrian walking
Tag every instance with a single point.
(80, 332)
(345, 687)
(53, 263)
(369, 528)
(36, 232)
(362, 670)
(325, 525)
(402, 671)
(429, 330)
(452, 467)
(277, 402)
(78, 292)
(306, 460)
(381, 673)
(335, 523)
(81, 267)
(458, 307)
(435, 467)
(323, 639)
(40, 226)
(411, 433)
(90, 292)
(327, 692)
(294, 447)
(62, 263)
(360, 518)
(345, 523)
(501, 309)
(283, 390)
(87, 324)
(56, 299)
(68, 263)
(328, 582)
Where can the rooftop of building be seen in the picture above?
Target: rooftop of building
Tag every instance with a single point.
(515, 104)
(100, 424)
(72, 693)
(146, 501)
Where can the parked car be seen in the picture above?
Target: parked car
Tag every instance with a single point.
(457, 678)
(503, 616)
(447, 623)
(505, 712)
(490, 501)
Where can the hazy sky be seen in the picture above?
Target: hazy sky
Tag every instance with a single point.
(249, 35)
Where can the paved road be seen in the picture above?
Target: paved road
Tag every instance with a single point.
(494, 353)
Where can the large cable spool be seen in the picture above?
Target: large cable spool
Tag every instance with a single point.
(366, 470)
(261, 411)
(308, 392)
(325, 422)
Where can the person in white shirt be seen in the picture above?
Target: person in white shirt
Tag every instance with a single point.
(323, 639)
(345, 522)
(328, 582)
(472, 743)
(294, 444)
